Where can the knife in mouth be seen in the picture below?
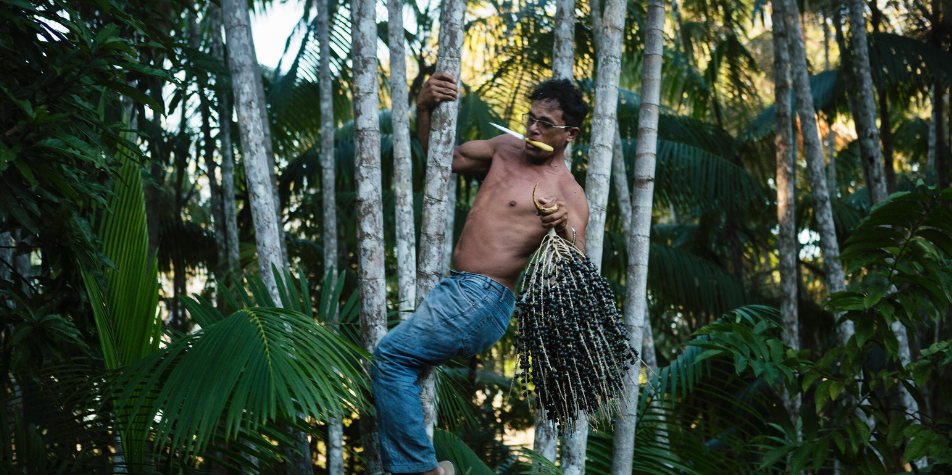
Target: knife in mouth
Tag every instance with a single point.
(519, 136)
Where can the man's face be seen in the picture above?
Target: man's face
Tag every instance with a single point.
(545, 124)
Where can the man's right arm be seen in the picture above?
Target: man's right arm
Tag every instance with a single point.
(471, 158)
(440, 87)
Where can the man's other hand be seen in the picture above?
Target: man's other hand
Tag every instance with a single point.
(438, 88)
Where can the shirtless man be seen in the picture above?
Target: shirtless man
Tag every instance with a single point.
(469, 311)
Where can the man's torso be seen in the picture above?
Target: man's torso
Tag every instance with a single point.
(503, 228)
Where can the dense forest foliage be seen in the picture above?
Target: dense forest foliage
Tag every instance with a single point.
(799, 261)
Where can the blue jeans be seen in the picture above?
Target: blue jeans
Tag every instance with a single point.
(464, 315)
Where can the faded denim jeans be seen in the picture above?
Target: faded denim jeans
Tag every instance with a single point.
(464, 315)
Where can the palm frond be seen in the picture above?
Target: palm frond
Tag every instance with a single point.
(829, 91)
(902, 60)
(691, 283)
(254, 366)
(449, 447)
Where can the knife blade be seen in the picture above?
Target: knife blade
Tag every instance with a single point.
(519, 136)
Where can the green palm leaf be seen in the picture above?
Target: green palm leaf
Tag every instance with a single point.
(692, 283)
(449, 447)
(239, 373)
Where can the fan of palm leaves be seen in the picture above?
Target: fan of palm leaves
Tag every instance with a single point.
(239, 373)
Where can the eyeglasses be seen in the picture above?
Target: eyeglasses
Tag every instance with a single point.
(545, 126)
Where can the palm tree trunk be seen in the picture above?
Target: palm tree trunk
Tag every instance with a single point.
(639, 242)
(830, 134)
(786, 201)
(370, 271)
(941, 169)
(866, 114)
(208, 153)
(620, 179)
(930, 157)
(563, 54)
(545, 436)
(402, 161)
(335, 426)
(814, 154)
(229, 214)
(604, 121)
(846, 68)
(442, 138)
(450, 224)
(244, 68)
(607, 25)
(269, 153)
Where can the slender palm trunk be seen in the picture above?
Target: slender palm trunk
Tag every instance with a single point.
(402, 162)
(930, 157)
(244, 68)
(830, 133)
(438, 169)
(846, 68)
(370, 270)
(208, 154)
(787, 238)
(269, 153)
(639, 242)
(608, 21)
(941, 168)
(814, 154)
(450, 224)
(620, 180)
(604, 121)
(545, 436)
(866, 114)
(563, 54)
(335, 426)
(229, 212)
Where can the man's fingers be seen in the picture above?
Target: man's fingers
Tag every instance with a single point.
(444, 76)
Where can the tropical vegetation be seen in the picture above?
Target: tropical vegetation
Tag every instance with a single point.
(188, 245)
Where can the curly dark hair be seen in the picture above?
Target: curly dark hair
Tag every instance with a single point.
(574, 108)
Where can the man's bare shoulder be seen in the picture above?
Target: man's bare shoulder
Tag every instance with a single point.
(507, 145)
(572, 189)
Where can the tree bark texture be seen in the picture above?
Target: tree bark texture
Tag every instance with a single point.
(370, 269)
(563, 54)
(402, 161)
(268, 236)
(438, 170)
(941, 168)
(208, 154)
(830, 133)
(269, 152)
(814, 154)
(865, 116)
(846, 68)
(229, 211)
(545, 436)
(335, 426)
(786, 198)
(440, 155)
(933, 140)
(545, 439)
(450, 225)
(244, 68)
(604, 122)
(620, 180)
(639, 241)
